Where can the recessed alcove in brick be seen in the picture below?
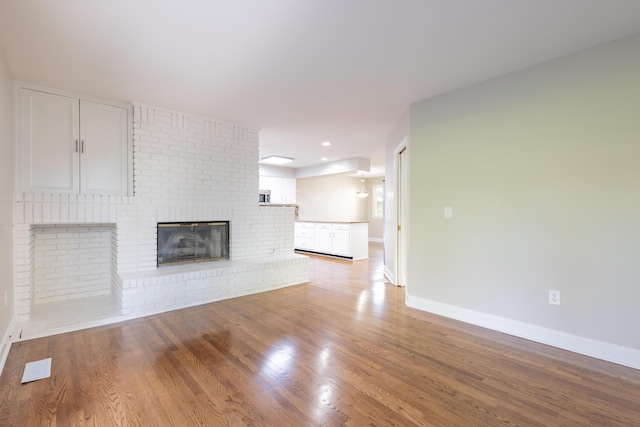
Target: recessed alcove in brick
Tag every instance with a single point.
(72, 261)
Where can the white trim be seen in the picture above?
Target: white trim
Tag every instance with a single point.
(390, 276)
(376, 239)
(401, 199)
(625, 356)
(5, 344)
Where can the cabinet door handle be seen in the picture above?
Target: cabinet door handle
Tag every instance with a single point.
(82, 147)
(76, 145)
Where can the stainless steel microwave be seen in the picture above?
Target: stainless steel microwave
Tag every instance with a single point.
(264, 197)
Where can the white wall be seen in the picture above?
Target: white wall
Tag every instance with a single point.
(330, 198)
(542, 169)
(6, 206)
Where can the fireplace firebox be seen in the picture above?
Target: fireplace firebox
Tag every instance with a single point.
(189, 242)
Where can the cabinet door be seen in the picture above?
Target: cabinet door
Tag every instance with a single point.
(48, 158)
(289, 190)
(304, 229)
(277, 190)
(341, 241)
(323, 238)
(305, 243)
(104, 148)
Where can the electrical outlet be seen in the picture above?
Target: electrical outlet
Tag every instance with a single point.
(554, 297)
(448, 212)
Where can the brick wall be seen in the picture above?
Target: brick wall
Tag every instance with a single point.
(194, 169)
(185, 168)
(182, 158)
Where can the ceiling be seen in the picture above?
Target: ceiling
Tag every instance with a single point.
(300, 71)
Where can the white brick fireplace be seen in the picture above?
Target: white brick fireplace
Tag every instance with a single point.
(185, 168)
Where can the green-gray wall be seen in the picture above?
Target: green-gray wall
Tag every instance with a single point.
(542, 170)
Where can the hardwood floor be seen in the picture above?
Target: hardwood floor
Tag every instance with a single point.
(342, 350)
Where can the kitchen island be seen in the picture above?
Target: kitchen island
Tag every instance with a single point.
(348, 240)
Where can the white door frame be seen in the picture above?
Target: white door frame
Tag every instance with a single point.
(401, 175)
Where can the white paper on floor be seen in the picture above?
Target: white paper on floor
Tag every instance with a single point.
(37, 370)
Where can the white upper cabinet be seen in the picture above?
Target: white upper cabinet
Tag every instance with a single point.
(283, 190)
(69, 145)
(48, 143)
(288, 190)
(104, 148)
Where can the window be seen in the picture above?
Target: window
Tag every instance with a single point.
(377, 202)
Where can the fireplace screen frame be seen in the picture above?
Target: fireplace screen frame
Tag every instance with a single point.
(194, 242)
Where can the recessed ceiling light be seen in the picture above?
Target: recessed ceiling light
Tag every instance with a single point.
(276, 160)
(323, 159)
(326, 143)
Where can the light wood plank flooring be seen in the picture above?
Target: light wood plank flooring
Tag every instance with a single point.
(342, 350)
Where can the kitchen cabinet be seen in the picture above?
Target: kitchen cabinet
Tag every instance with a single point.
(283, 190)
(71, 145)
(304, 236)
(324, 240)
(341, 239)
(345, 240)
(288, 190)
(333, 239)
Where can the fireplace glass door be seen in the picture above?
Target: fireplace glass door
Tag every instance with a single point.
(180, 243)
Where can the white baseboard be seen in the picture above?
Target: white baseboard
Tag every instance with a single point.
(390, 276)
(620, 355)
(376, 239)
(5, 344)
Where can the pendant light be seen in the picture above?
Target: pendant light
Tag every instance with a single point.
(363, 193)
